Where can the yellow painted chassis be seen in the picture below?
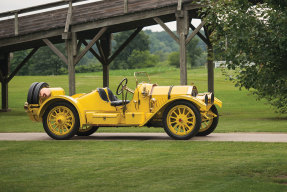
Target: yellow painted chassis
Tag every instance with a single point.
(146, 107)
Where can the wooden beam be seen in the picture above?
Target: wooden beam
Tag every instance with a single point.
(93, 52)
(27, 58)
(188, 39)
(4, 68)
(126, 18)
(16, 24)
(210, 63)
(159, 21)
(179, 5)
(101, 51)
(105, 47)
(206, 32)
(182, 19)
(106, 75)
(55, 50)
(118, 51)
(210, 68)
(4, 91)
(1, 77)
(70, 46)
(183, 64)
(92, 42)
(202, 37)
(79, 45)
(125, 6)
(69, 17)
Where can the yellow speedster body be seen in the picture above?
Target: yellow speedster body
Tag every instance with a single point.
(181, 110)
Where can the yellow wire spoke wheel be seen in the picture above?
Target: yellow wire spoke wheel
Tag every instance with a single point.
(208, 126)
(205, 125)
(87, 130)
(61, 120)
(181, 120)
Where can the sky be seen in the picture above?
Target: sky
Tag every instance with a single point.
(9, 5)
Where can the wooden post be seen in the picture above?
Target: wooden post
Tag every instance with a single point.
(210, 68)
(210, 64)
(106, 46)
(16, 24)
(71, 46)
(4, 70)
(182, 30)
(106, 76)
(125, 6)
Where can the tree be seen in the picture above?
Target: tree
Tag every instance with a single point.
(256, 45)
(194, 52)
(173, 59)
(44, 62)
(141, 59)
(140, 43)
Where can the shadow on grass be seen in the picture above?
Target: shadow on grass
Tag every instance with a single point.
(274, 118)
(13, 113)
(112, 138)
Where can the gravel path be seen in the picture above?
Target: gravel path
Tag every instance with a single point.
(237, 137)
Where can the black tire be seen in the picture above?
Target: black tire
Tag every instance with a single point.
(72, 130)
(213, 124)
(89, 132)
(196, 127)
(38, 87)
(31, 92)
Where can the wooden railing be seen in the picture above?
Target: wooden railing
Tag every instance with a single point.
(16, 13)
(75, 14)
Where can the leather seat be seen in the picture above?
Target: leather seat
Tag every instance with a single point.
(112, 98)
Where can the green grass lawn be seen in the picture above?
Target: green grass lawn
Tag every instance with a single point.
(142, 166)
(241, 112)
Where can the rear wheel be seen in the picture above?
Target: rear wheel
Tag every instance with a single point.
(61, 120)
(181, 120)
(89, 130)
(208, 126)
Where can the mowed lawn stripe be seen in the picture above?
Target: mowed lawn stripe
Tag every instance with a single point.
(142, 166)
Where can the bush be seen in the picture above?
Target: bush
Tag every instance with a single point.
(173, 59)
(142, 59)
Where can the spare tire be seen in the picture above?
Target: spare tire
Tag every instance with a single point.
(31, 92)
(38, 87)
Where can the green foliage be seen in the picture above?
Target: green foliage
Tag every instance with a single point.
(44, 62)
(173, 59)
(256, 46)
(142, 59)
(139, 43)
(195, 53)
(91, 67)
(161, 41)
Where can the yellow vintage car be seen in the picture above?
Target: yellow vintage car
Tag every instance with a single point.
(180, 110)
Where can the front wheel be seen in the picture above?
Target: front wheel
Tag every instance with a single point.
(181, 120)
(208, 126)
(61, 120)
(88, 131)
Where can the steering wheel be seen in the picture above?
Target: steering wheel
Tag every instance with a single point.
(121, 86)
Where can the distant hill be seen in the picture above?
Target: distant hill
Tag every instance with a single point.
(161, 41)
